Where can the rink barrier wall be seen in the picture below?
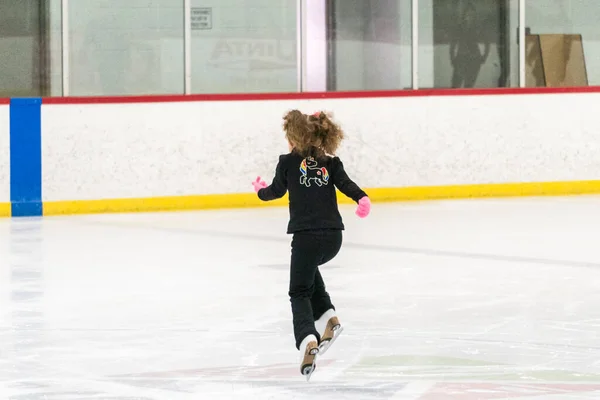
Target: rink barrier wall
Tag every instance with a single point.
(33, 148)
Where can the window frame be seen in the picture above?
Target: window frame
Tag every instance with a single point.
(303, 78)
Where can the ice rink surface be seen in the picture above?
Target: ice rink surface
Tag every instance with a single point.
(474, 299)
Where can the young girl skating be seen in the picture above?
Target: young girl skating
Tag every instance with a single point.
(311, 174)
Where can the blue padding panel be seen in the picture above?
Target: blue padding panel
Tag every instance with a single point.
(26, 157)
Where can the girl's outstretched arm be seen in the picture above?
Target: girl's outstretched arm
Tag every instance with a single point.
(278, 188)
(343, 182)
(347, 186)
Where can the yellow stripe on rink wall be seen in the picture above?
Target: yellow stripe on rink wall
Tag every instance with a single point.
(174, 203)
(521, 189)
(5, 209)
(242, 200)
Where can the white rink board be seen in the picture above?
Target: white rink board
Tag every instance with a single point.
(185, 148)
(4, 154)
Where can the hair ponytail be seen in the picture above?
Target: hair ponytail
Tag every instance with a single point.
(329, 134)
(315, 135)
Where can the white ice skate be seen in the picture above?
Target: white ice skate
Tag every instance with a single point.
(309, 348)
(331, 331)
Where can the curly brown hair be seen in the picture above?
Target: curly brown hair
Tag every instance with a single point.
(312, 135)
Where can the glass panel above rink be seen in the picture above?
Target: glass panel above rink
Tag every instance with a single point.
(126, 47)
(369, 44)
(241, 46)
(138, 47)
(468, 43)
(30, 44)
(563, 43)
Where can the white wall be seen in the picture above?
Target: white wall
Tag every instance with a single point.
(143, 150)
(315, 46)
(4, 155)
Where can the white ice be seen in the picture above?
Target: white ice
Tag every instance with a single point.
(474, 299)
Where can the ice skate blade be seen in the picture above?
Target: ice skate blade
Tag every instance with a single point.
(324, 346)
(310, 360)
(307, 370)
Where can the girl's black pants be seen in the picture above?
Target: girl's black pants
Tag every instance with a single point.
(308, 295)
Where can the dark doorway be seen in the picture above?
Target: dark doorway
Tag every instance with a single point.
(471, 43)
(24, 66)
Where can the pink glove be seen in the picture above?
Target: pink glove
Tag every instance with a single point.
(259, 184)
(364, 207)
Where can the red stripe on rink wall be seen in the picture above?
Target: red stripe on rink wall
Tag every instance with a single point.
(315, 95)
(4, 101)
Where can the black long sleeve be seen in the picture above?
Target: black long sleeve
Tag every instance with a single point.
(311, 184)
(278, 188)
(343, 182)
